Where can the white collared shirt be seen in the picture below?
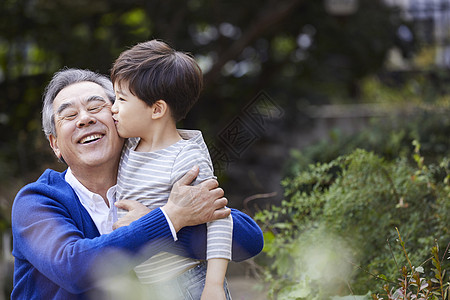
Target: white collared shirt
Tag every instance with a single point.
(103, 216)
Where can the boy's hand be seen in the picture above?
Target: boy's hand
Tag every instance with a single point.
(213, 292)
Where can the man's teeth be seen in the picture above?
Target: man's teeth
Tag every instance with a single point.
(90, 138)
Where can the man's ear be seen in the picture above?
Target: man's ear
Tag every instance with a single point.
(159, 109)
(54, 144)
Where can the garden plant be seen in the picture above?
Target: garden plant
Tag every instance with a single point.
(333, 234)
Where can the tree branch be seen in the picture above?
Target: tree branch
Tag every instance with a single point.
(267, 19)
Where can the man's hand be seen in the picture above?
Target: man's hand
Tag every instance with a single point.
(135, 211)
(192, 205)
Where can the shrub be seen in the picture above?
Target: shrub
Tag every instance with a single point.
(387, 137)
(349, 209)
(413, 282)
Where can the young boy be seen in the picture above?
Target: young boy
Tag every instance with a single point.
(155, 87)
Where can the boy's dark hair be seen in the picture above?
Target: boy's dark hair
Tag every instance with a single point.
(154, 71)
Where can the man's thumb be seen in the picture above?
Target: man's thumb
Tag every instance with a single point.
(189, 176)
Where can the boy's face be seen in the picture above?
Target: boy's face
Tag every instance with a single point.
(131, 115)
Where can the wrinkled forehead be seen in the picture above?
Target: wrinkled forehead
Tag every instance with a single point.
(80, 92)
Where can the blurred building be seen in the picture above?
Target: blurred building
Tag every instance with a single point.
(430, 21)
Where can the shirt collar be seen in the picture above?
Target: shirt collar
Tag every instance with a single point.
(86, 196)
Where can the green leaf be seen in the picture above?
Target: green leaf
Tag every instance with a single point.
(420, 269)
(382, 276)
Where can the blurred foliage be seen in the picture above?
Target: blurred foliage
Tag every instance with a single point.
(293, 49)
(415, 282)
(351, 206)
(388, 136)
(414, 88)
(341, 205)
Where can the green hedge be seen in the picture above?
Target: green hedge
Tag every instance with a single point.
(388, 137)
(335, 232)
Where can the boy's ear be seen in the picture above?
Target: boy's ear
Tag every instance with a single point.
(159, 109)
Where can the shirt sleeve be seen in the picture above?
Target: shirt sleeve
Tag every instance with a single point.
(172, 229)
(219, 232)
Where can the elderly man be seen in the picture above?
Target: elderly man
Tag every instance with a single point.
(62, 222)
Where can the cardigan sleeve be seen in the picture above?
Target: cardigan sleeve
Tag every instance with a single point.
(54, 238)
(49, 238)
(247, 242)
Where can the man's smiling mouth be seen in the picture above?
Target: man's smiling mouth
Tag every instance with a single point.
(91, 138)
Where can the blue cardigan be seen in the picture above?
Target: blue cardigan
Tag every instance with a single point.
(57, 246)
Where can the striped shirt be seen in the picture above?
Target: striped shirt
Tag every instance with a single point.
(148, 177)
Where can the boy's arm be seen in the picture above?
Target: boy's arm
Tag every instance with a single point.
(247, 238)
(215, 275)
(219, 239)
(219, 232)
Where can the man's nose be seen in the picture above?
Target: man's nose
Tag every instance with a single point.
(85, 118)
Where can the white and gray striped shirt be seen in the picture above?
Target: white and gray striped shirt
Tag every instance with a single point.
(148, 178)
